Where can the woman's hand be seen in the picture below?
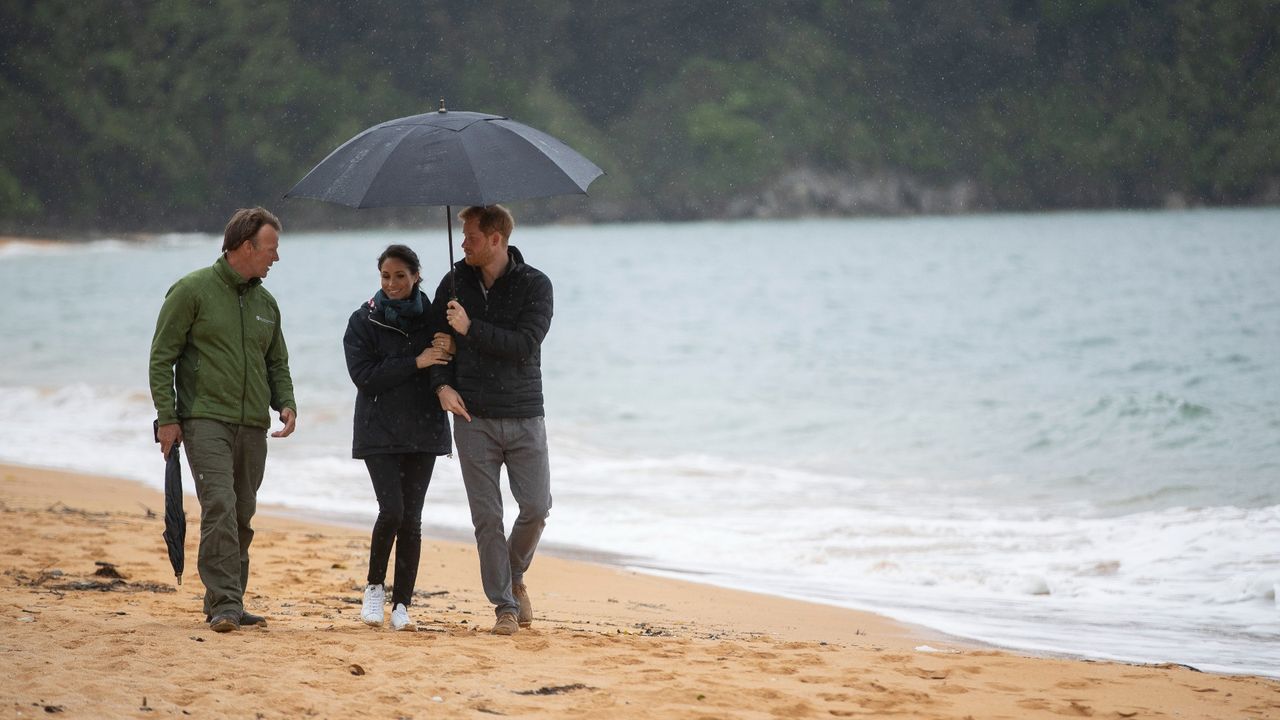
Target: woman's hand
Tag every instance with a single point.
(445, 342)
(432, 356)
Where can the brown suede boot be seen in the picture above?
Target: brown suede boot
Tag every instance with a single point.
(525, 616)
(506, 625)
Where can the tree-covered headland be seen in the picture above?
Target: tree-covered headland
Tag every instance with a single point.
(162, 115)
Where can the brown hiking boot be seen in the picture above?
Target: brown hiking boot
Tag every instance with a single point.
(525, 616)
(506, 625)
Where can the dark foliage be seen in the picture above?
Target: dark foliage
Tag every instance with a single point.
(139, 115)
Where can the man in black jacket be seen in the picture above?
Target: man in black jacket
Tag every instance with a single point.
(494, 389)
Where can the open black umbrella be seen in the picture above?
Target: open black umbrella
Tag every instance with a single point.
(175, 517)
(447, 158)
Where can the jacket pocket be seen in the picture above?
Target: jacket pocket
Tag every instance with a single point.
(260, 325)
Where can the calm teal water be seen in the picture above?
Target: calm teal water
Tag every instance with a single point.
(1046, 431)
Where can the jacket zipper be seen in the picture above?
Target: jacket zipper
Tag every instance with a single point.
(484, 315)
(375, 322)
(384, 325)
(244, 357)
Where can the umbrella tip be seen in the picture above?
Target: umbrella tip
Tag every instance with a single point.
(442, 106)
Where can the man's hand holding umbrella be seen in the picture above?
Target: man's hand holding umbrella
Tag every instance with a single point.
(457, 317)
(168, 436)
(450, 400)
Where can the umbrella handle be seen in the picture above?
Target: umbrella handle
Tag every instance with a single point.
(453, 279)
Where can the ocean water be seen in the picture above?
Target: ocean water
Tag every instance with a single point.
(1054, 432)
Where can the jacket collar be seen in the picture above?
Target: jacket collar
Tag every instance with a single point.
(228, 275)
(514, 265)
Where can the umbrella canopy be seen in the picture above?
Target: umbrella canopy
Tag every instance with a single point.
(175, 517)
(447, 158)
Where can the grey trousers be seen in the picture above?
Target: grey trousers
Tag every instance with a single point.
(484, 446)
(227, 461)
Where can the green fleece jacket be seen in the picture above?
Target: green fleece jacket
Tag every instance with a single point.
(218, 339)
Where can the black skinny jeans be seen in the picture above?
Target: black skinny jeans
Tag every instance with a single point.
(400, 482)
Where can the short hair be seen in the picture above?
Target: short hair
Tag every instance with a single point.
(491, 218)
(245, 224)
(404, 254)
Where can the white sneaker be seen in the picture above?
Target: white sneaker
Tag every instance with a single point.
(371, 611)
(400, 619)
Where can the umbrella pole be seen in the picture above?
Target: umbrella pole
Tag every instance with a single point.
(453, 280)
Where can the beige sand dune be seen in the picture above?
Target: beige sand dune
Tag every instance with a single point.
(606, 643)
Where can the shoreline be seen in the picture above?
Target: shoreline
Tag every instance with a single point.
(584, 554)
(637, 564)
(606, 641)
(89, 235)
(461, 541)
(633, 563)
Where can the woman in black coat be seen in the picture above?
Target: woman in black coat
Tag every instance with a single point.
(399, 426)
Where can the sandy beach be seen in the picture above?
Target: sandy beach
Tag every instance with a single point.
(606, 642)
(9, 241)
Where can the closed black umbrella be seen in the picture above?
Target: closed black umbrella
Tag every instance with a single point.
(447, 158)
(175, 517)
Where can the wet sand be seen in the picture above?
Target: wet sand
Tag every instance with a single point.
(606, 641)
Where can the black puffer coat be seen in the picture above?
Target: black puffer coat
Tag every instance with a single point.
(396, 410)
(498, 367)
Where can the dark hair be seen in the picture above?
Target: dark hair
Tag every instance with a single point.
(404, 254)
(491, 218)
(245, 224)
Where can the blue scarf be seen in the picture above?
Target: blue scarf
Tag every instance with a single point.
(400, 313)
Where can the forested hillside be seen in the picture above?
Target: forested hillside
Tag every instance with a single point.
(132, 115)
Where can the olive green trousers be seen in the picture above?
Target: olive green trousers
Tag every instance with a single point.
(227, 462)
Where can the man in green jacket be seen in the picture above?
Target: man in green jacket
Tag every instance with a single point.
(218, 365)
